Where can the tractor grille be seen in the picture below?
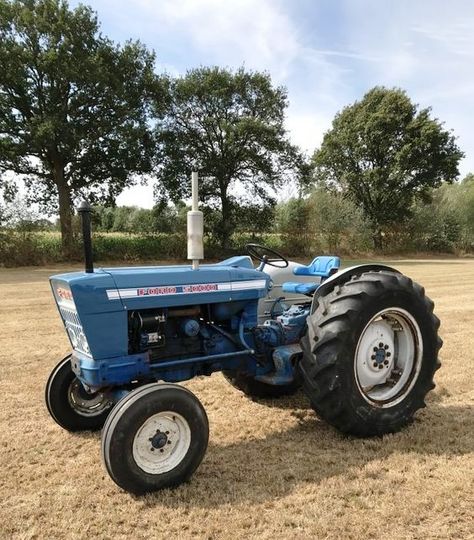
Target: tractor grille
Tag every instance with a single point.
(74, 329)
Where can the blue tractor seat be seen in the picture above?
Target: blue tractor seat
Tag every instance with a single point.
(321, 267)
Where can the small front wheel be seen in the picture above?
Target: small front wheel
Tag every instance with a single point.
(154, 438)
(70, 405)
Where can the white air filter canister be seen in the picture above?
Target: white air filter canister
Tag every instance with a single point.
(195, 235)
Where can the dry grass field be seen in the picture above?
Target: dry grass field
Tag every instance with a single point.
(272, 469)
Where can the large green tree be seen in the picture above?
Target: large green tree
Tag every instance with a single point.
(228, 126)
(73, 106)
(384, 152)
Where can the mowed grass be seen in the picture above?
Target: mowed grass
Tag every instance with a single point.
(272, 469)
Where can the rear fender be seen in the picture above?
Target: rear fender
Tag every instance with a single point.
(345, 275)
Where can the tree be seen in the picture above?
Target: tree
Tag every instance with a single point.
(468, 179)
(383, 153)
(73, 106)
(459, 200)
(334, 218)
(293, 223)
(229, 127)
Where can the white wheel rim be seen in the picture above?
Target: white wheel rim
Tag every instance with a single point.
(84, 404)
(388, 357)
(162, 442)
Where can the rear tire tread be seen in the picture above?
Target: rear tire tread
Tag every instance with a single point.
(329, 337)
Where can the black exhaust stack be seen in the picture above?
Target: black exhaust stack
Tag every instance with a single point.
(85, 210)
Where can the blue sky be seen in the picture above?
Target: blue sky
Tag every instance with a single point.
(327, 53)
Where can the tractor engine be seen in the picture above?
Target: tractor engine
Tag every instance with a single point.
(179, 332)
(165, 333)
(285, 329)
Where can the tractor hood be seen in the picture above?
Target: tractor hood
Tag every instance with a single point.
(161, 286)
(113, 289)
(94, 305)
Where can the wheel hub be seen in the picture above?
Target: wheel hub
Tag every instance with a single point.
(381, 355)
(375, 357)
(86, 404)
(159, 439)
(161, 443)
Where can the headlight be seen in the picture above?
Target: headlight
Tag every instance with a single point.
(72, 336)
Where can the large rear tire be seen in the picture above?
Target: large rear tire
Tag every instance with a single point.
(370, 353)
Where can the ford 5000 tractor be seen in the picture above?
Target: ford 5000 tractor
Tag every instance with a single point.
(362, 343)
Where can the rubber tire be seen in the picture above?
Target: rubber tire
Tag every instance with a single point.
(258, 389)
(128, 416)
(57, 402)
(329, 346)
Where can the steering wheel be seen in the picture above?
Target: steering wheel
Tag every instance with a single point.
(266, 256)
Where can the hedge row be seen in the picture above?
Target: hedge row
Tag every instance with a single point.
(39, 248)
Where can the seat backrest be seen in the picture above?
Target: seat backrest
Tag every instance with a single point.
(322, 266)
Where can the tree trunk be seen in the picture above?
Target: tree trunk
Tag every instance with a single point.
(225, 230)
(65, 212)
(377, 238)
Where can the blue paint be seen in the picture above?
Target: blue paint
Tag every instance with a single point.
(197, 322)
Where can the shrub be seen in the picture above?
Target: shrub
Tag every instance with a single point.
(339, 224)
(325, 222)
(293, 223)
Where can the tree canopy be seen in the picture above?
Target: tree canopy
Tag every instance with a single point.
(228, 126)
(384, 152)
(73, 105)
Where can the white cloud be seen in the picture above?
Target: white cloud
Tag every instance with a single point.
(258, 34)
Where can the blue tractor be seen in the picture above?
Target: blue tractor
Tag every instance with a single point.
(362, 343)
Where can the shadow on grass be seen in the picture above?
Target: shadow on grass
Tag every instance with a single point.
(256, 470)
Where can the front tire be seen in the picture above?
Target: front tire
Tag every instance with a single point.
(154, 438)
(370, 353)
(70, 405)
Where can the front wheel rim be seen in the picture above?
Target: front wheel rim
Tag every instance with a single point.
(162, 442)
(85, 404)
(388, 357)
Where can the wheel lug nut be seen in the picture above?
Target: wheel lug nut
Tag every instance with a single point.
(385, 362)
(380, 366)
(386, 347)
(161, 450)
(380, 344)
(389, 354)
(375, 349)
(372, 357)
(152, 449)
(169, 442)
(375, 364)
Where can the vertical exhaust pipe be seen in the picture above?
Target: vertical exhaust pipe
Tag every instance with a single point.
(195, 226)
(84, 209)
